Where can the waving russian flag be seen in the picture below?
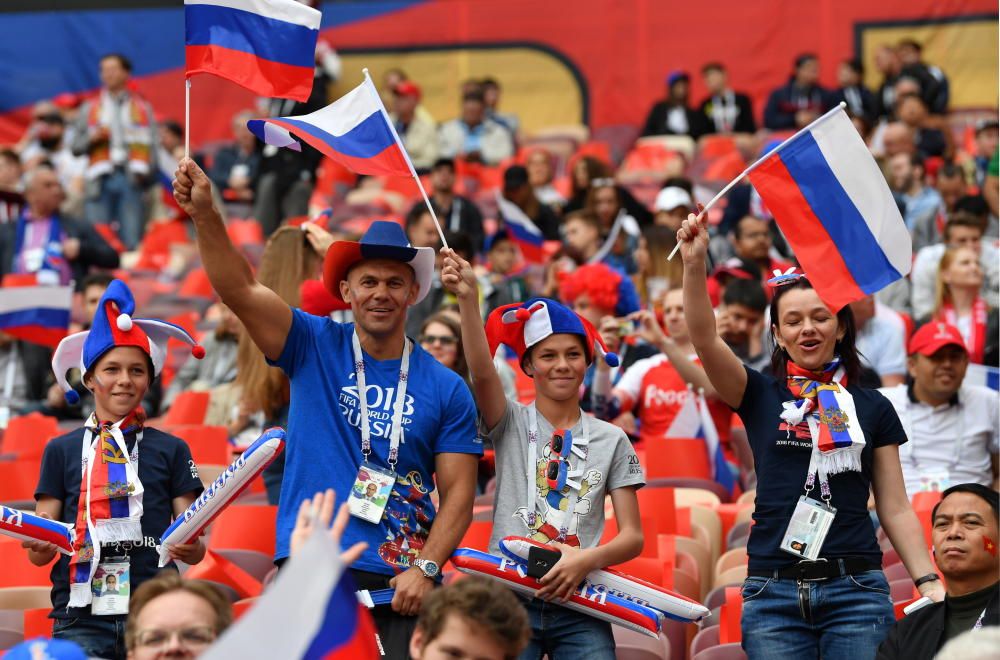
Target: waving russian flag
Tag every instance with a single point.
(267, 46)
(36, 314)
(521, 230)
(354, 130)
(310, 612)
(835, 208)
(694, 420)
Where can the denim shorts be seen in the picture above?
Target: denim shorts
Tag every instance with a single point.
(99, 636)
(563, 634)
(843, 617)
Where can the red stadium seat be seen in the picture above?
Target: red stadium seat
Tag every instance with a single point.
(37, 623)
(658, 503)
(706, 638)
(16, 570)
(188, 408)
(216, 568)
(729, 617)
(196, 285)
(677, 457)
(209, 444)
(245, 232)
(477, 536)
(18, 479)
(245, 527)
(241, 607)
(722, 652)
(26, 435)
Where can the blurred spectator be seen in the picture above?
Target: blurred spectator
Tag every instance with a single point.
(588, 169)
(414, 125)
(860, 100)
(286, 176)
(671, 207)
(11, 199)
(906, 178)
(888, 64)
(27, 377)
(964, 228)
(912, 111)
(117, 133)
(752, 242)
(654, 274)
(171, 143)
(491, 95)
(656, 387)
(674, 115)
(740, 320)
(620, 230)
(500, 285)
(49, 649)
(474, 136)
(800, 101)
(582, 236)
(57, 249)
(952, 427)
(724, 111)
(880, 340)
(236, 165)
(958, 303)
(219, 364)
(951, 186)
(540, 166)
(936, 88)
(471, 618)
(517, 188)
(46, 140)
(987, 139)
(991, 192)
(441, 336)
(964, 539)
(420, 228)
(457, 214)
(898, 138)
(390, 79)
(172, 617)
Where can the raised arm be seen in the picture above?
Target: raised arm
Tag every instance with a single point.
(723, 368)
(459, 279)
(264, 314)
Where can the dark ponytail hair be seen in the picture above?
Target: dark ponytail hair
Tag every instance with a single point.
(845, 347)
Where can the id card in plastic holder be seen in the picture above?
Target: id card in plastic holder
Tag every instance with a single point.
(808, 528)
(111, 587)
(370, 493)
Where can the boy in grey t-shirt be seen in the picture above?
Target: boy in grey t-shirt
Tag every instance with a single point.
(554, 463)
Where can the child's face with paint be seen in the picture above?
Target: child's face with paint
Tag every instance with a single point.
(119, 380)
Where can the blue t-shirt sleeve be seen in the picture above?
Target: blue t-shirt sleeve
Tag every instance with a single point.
(298, 343)
(458, 423)
(50, 477)
(888, 429)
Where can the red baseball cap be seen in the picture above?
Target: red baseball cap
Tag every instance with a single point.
(934, 336)
(407, 88)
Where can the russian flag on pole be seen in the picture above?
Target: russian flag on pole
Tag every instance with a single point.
(835, 208)
(267, 46)
(310, 612)
(354, 130)
(522, 230)
(694, 420)
(36, 314)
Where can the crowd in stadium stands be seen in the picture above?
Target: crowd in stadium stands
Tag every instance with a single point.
(86, 197)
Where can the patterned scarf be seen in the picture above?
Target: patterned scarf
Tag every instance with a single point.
(111, 493)
(975, 340)
(836, 436)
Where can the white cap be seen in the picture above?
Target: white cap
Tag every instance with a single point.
(671, 197)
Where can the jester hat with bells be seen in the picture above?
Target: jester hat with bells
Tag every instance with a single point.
(113, 326)
(522, 325)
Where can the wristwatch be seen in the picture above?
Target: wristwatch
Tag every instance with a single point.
(429, 568)
(930, 577)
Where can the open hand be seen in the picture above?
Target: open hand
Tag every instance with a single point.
(316, 513)
(319, 238)
(565, 577)
(649, 329)
(192, 189)
(457, 276)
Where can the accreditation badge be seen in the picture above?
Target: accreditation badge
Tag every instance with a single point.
(111, 587)
(370, 493)
(808, 528)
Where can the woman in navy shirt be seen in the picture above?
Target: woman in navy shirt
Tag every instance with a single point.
(820, 444)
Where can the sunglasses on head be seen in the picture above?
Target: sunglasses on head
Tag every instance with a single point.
(558, 466)
(444, 340)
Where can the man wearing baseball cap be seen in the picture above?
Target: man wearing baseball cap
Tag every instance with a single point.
(672, 205)
(415, 125)
(367, 405)
(952, 427)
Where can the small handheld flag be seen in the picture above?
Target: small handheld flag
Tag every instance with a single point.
(36, 314)
(521, 230)
(266, 46)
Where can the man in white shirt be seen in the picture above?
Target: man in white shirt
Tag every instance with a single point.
(952, 428)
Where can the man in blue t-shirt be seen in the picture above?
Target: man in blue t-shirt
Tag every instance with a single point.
(411, 402)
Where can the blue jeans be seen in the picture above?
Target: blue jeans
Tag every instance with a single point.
(841, 618)
(98, 636)
(119, 202)
(563, 634)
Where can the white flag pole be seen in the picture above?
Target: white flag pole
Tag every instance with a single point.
(378, 99)
(722, 193)
(187, 117)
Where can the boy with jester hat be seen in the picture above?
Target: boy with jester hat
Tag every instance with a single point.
(117, 482)
(555, 463)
